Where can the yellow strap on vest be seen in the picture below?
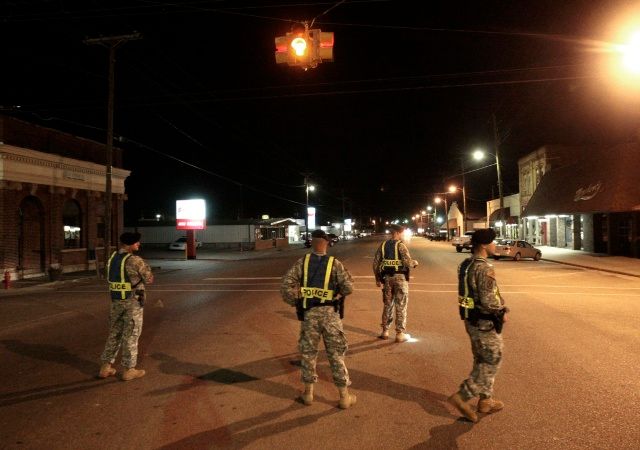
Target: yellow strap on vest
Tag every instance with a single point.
(324, 294)
(108, 268)
(466, 302)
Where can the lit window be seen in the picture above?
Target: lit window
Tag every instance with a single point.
(72, 223)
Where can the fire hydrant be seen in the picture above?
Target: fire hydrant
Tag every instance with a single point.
(7, 279)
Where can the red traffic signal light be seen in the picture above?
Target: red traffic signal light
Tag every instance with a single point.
(304, 49)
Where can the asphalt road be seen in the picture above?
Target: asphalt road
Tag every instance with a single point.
(220, 350)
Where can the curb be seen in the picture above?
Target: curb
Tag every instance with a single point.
(618, 272)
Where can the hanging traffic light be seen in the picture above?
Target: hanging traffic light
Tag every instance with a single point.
(304, 48)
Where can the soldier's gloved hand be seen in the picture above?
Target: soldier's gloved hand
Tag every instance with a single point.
(415, 263)
(378, 283)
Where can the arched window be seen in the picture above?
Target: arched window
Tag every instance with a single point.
(72, 224)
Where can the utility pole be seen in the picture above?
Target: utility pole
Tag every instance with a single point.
(464, 199)
(110, 42)
(497, 150)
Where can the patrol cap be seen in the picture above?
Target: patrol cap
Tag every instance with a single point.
(128, 238)
(395, 228)
(483, 236)
(320, 234)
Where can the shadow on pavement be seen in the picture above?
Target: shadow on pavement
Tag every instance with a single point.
(53, 353)
(445, 436)
(235, 436)
(13, 398)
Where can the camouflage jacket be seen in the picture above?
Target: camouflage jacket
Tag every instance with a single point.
(139, 271)
(405, 257)
(481, 277)
(292, 281)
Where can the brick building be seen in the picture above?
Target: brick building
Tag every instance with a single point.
(52, 199)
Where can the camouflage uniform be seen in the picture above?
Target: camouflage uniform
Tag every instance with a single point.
(125, 317)
(486, 343)
(395, 289)
(320, 322)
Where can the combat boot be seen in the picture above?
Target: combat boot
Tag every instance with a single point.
(346, 399)
(132, 374)
(402, 337)
(463, 407)
(384, 334)
(307, 396)
(106, 371)
(489, 405)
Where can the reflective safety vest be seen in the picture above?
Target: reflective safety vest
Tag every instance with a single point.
(391, 262)
(317, 287)
(466, 296)
(466, 302)
(119, 282)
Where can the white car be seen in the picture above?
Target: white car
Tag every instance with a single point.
(516, 249)
(181, 244)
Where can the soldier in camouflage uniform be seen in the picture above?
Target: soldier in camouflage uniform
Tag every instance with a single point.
(127, 275)
(391, 266)
(315, 285)
(482, 308)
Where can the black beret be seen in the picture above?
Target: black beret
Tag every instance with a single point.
(483, 236)
(396, 228)
(319, 234)
(128, 238)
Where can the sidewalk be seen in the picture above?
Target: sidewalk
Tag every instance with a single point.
(597, 261)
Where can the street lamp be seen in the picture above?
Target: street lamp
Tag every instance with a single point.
(631, 54)
(479, 155)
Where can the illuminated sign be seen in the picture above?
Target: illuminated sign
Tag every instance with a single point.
(311, 213)
(191, 214)
(587, 193)
(347, 224)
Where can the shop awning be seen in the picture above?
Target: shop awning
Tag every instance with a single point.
(502, 214)
(598, 181)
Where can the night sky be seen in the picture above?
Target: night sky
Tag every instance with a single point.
(202, 109)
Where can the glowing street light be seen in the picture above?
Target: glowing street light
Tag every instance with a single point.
(631, 54)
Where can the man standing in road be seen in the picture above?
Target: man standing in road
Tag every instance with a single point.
(482, 308)
(316, 285)
(127, 275)
(391, 266)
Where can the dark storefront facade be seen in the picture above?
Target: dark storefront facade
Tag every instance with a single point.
(591, 203)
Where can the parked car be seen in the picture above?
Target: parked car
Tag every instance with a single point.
(462, 242)
(516, 249)
(181, 244)
(440, 236)
(333, 239)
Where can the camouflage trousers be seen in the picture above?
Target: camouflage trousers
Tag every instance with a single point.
(486, 346)
(323, 322)
(395, 295)
(125, 326)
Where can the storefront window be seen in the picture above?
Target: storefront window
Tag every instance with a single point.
(72, 223)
